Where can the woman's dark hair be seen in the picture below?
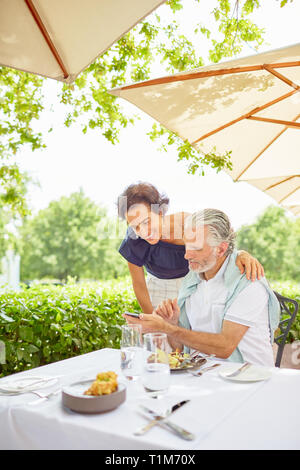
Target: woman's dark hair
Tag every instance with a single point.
(142, 193)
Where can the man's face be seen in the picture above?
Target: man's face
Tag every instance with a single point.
(200, 255)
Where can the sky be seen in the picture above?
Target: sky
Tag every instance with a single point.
(73, 160)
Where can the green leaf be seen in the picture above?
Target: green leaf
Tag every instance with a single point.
(20, 354)
(31, 348)
(25, 333)
(6, 318)
(68, 326)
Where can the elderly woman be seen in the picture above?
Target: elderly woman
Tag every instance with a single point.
(154, 240)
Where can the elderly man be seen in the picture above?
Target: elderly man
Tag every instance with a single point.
(218, 310)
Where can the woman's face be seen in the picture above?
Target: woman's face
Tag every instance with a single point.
(145, 223)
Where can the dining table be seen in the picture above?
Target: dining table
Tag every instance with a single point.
(221, 413)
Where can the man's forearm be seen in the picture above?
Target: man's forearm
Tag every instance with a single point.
(208, 343)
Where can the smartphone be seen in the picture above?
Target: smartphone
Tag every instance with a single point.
(135, 315)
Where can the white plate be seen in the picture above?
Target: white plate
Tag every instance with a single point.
(26, 384)
(252, 374)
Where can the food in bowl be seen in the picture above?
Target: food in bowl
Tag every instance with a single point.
(105, 383)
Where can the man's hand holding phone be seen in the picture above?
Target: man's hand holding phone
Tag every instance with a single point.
(131, 314)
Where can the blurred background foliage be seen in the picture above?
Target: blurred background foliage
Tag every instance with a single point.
(71, 237)
(74, 237)
(274, 238)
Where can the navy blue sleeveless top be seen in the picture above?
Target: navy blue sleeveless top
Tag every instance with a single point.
(164, 260)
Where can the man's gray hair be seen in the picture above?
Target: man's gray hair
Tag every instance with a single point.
(219, 227)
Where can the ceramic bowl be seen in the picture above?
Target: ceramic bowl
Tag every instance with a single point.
(73, 398)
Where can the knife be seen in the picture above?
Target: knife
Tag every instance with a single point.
(239, 370)
(161, 420)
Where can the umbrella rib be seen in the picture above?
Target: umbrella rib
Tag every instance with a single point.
(292, 192)
(245, 116)
(46, 36)
(209, 73)
(295, 208)
(281, 182)
(281, 77)
(276, 121)
(265, 148)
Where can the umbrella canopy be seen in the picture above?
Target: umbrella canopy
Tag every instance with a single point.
(285, 190)
(249, 106)
(294, 209)
(60, 38)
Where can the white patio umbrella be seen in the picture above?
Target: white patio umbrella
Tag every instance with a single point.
(284, 190)
(292, 203)
(60, 38)
(249, 106)
(294, 209)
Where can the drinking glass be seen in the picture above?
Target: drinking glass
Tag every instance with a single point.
(131, 351)
(156, 369)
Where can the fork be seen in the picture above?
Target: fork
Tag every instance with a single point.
(152, 423)
(197, 359)
(43, 396)
(197, 354)
(202, 371)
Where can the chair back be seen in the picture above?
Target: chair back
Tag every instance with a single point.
(288, 312)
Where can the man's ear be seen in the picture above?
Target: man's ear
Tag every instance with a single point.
(221, 249)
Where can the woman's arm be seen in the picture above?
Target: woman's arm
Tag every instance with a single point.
(140, 287)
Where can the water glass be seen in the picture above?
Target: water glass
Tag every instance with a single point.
(131, 351)
(156, 369)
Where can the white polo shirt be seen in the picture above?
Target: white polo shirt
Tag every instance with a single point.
(205, 309)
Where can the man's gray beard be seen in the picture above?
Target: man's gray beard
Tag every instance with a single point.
(207, 267)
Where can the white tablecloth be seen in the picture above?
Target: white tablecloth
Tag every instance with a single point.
(222, 414)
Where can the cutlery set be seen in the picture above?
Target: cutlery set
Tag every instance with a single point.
(162, 421)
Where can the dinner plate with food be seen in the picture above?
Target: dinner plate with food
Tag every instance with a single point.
(98, 395)
(179, 360)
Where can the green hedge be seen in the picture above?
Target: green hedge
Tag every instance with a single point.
(45, 324)
(291, 290)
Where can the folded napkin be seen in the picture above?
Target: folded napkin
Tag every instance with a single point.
(25, 384)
